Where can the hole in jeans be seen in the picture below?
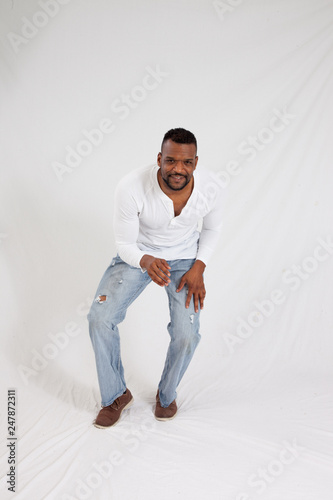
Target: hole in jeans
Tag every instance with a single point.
(100, 299)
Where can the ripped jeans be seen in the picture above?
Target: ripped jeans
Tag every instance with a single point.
(121, 284)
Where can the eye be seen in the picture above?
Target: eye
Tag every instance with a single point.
(170, 161)
(188, 162)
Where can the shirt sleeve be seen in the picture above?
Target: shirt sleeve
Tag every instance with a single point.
(126, 225)
(212, 224)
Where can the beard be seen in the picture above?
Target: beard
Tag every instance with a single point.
(176, 185)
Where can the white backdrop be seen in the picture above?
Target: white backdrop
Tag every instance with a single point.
(88, 90)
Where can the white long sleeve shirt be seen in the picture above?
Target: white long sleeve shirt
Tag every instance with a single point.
(145, 222)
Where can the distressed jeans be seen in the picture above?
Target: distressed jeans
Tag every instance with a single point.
(121, 284)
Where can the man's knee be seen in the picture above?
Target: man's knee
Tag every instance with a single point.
(187, 344)
(186, 337)
(104, 313)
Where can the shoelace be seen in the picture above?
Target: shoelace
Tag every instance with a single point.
(116, 404)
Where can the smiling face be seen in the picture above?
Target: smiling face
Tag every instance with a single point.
(177, 163)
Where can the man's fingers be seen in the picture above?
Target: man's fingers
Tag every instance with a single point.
(198, 297)
(181, 284)
(159, 276)
(202, 298)
(196, 302)
(188, 299)
(164, 266)
(163, 276)
(157, 269)
(157, 279)
(160, 280)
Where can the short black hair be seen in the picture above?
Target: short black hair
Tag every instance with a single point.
(180, 136)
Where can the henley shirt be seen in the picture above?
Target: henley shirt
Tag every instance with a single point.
(145, 222)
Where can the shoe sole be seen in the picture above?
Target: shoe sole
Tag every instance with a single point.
(112, 425)
(164, 419)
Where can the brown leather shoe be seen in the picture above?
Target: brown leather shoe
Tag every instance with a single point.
(109, 415)
(165, 413)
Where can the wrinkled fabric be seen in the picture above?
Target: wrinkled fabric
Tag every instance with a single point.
(85, 98)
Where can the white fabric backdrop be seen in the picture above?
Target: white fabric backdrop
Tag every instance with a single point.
(252, 79)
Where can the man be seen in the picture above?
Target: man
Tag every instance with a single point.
(158, 211)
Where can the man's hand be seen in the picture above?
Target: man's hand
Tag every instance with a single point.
(195, 283)
(158, 269)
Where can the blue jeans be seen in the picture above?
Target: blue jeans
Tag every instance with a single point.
(121, 284)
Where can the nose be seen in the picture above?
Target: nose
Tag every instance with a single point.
(178, 167)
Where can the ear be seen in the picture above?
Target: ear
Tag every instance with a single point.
(196, 161)
(159, 157)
